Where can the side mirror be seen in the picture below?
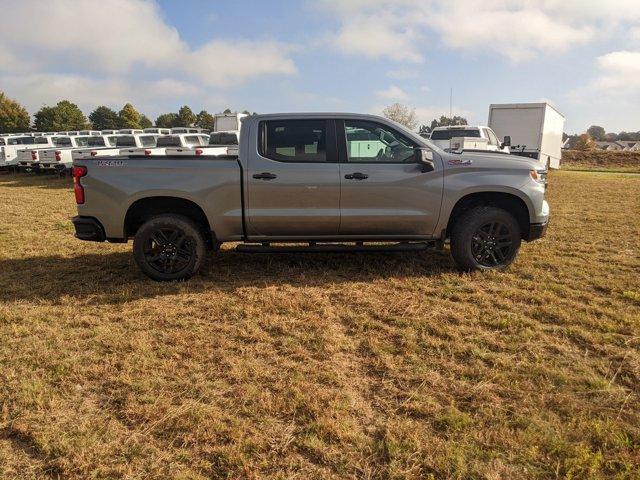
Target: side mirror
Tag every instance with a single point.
(424, 158)
(506, 142)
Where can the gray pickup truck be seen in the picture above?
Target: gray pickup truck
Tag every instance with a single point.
(313, 182)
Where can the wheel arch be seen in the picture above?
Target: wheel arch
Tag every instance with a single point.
(510, 202)
(144, 208)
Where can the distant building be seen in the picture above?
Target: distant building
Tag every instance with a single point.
(610, 146)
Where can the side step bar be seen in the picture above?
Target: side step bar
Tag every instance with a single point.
(358, 247)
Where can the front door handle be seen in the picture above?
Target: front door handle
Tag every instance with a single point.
(356, 176)
(265, 176)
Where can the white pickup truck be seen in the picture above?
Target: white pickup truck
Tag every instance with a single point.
(59, 159)
(121, 142)
(95, 145)
(468, 137)
(220, 143)
(177, 144)
(9, 147)
(29, 158)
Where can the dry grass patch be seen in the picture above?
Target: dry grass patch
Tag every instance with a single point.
(601, 160)
(322, 366)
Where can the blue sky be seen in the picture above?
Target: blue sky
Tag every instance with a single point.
(352, 55)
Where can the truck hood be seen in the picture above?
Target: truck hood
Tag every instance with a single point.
(494, 160)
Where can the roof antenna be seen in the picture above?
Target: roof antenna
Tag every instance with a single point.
(451, 103)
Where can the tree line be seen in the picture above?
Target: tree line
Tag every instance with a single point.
(405, 115)
(65, 116)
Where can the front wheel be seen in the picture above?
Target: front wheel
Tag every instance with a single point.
(169, 247)
(485, 238)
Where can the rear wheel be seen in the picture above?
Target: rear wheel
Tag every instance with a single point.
(485, 238)
(169, 247)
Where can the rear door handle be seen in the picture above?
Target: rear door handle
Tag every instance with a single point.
(265, 176)
(356, 176)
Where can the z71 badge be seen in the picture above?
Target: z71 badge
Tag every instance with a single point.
(111, 163)
(460, 162)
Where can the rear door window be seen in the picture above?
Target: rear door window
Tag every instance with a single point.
(294, 140)
(63, 142)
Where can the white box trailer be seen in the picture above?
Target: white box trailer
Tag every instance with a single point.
(535, 130)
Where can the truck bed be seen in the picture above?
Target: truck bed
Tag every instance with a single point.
(213, 184)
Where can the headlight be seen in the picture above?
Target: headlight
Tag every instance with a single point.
(539, 176)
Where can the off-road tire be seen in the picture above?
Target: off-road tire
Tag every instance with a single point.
(474, 244)
(169, 247)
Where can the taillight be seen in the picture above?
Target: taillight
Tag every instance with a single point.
(147, 152)
(58, 156)
(198, 151)
(93, 153)
(78, 189)
(34, 155)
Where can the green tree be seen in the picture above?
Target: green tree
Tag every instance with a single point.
(129, 117)
(597, 133)
(227, 110)
(186, 117)
(167, 120)
(13, 117)
(205, 120)
(45, 119)
(62, 117)
(69, 116)
(104, 118)
(145, 122)
(402, 114)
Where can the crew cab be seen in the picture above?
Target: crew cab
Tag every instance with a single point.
(122, 142)
(158, 131)
(468, 137)
(95, 144)
(220, 143)
(179, 144)
(9, 147)
(59, 158)
(28, 158)
(313, 182)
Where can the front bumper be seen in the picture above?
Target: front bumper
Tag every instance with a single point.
(88, 228)
(537, 230)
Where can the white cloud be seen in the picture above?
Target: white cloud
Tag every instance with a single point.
(403, 30)
(125, 37)
(393, 92)
(619, 71)
(223, 63)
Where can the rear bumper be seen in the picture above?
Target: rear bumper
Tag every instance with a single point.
(88, 228)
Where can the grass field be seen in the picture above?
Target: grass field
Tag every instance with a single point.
(323, 366)
(601, 160)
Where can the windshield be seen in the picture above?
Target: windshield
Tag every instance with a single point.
(148, 141)
(169, 141)
(82, 141)
(126, 141)
(96, 142)
(223, 139)
(454, 132)
(21, 141)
